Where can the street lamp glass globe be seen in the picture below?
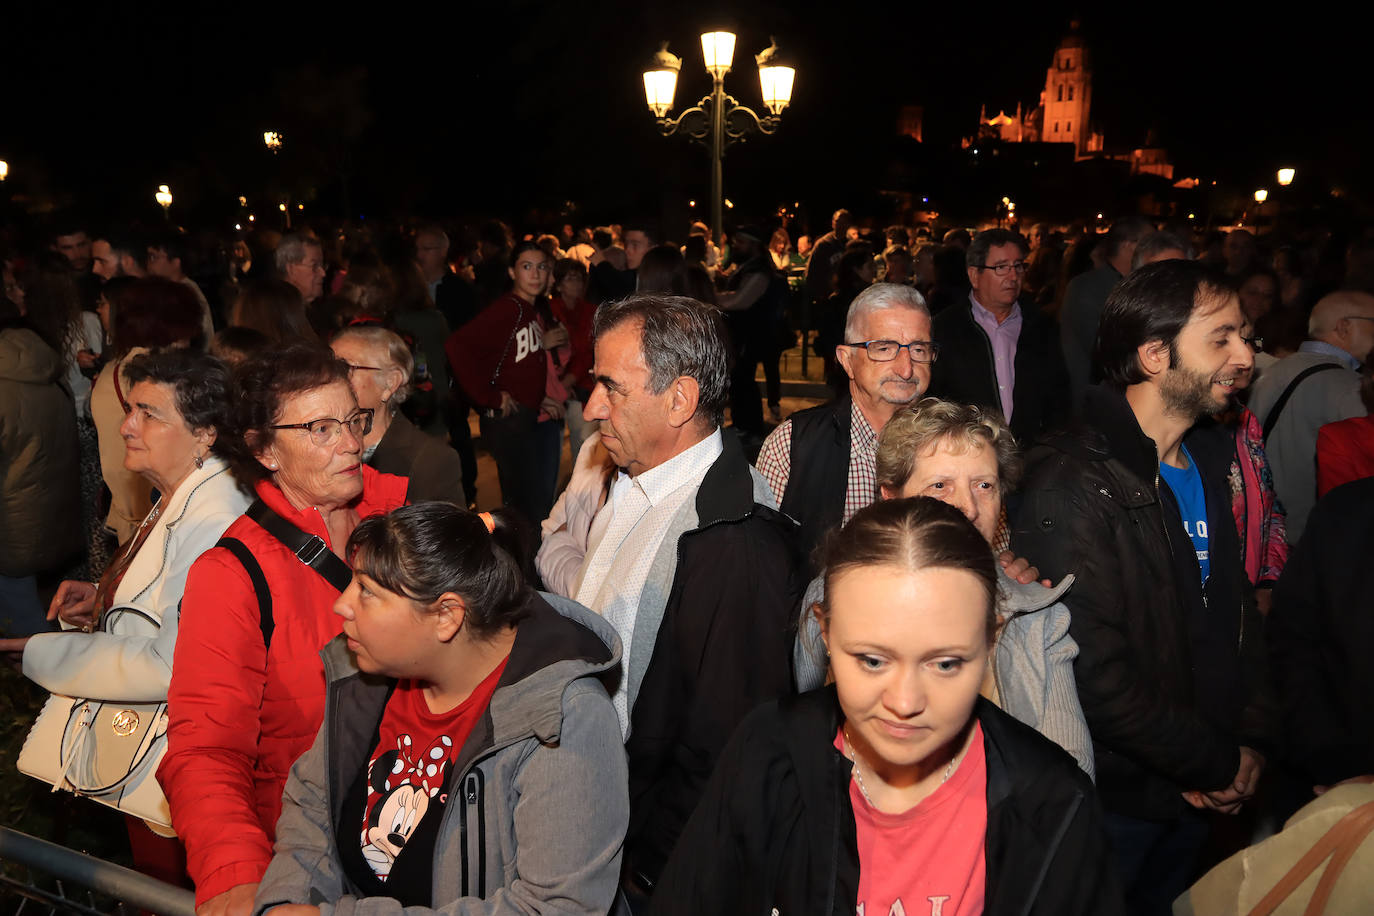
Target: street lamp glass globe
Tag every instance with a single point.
(1261, 196)
(4, 170)
(659, 86)
(1286, 177)
(776, 83)
(719, 50)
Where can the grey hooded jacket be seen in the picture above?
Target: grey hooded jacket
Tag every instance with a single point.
(1032, 661)
(541, 806)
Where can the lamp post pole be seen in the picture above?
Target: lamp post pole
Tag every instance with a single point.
(717, 156)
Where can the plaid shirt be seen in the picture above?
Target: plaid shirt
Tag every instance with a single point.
(775, 462)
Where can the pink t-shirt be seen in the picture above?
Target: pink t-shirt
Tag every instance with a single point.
(928, 861)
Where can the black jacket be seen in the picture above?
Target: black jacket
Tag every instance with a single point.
(965, 373)
(723, 647)
(456, 299)
(1321, 639)
(434, 469)
(775, 830)
(818, 479)
(1171, 676)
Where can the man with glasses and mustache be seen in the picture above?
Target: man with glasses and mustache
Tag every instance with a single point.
(995, 354)
(819, 462)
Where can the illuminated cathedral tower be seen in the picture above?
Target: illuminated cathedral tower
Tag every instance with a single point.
(1068, 93)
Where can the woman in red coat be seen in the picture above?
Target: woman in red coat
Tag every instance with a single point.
(246, 696)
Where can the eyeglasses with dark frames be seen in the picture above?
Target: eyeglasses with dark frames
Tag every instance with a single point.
(1002, 270)
(325, 431)
(884, 351)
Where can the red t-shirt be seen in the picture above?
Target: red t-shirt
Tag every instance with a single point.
(928, 861)
(409, 768)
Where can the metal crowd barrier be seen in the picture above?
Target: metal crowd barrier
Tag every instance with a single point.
(77, 883)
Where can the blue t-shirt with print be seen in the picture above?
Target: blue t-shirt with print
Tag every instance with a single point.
(1186, 485)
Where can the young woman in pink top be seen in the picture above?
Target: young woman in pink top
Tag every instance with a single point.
(896, 788)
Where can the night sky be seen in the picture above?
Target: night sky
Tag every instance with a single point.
(529, 105)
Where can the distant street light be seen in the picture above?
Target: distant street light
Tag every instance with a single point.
(4, 170)
(717, 121)
(1286, 177)
(272, 140)
(164, 197)
(1261, 196)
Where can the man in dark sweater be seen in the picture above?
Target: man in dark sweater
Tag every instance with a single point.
(995, 354)
(1321, 634)
(1171, 667)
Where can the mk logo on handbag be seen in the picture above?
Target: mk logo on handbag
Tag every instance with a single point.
(124, 723)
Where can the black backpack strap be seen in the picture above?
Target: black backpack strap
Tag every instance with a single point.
(254, 570)
(1273, 418)
(310, 549)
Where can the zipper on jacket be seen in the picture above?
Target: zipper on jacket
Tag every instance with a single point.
(992, 359)
(473, 801)
(1163, 524)
(1240, 636)
(469, 784)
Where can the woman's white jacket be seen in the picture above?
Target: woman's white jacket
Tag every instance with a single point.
(132, 660)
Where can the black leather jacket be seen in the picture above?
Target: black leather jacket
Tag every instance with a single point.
(1171, 675)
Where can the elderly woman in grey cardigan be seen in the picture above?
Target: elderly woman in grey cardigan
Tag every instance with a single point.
(967, 456)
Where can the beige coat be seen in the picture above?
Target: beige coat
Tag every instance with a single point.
(1236, 885)
(130, 493)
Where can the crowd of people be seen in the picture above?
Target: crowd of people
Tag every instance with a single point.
(1055, 603)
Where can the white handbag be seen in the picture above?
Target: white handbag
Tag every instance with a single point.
(104, 750)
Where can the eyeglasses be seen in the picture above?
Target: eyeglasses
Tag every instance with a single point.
(1256, 343)
(884, 351)
(1001, 270)
(325, 431)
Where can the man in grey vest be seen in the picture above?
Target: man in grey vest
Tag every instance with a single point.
(1318, 384)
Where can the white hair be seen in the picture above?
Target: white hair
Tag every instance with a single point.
(877, 297)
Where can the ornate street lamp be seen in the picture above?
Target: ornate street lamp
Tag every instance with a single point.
(4, 170)
(272, 140)
(718, 120)
(164, 197)
(1286, 177)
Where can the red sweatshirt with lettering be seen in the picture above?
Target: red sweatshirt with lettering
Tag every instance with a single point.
(500, 350)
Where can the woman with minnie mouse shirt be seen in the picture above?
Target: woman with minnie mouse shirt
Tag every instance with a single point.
(470, 759)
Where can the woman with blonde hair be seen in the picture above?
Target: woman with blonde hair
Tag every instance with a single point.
(966, 456)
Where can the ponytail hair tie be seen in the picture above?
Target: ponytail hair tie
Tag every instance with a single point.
(488, 521)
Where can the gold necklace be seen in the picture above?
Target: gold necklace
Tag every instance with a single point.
(854, 758)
